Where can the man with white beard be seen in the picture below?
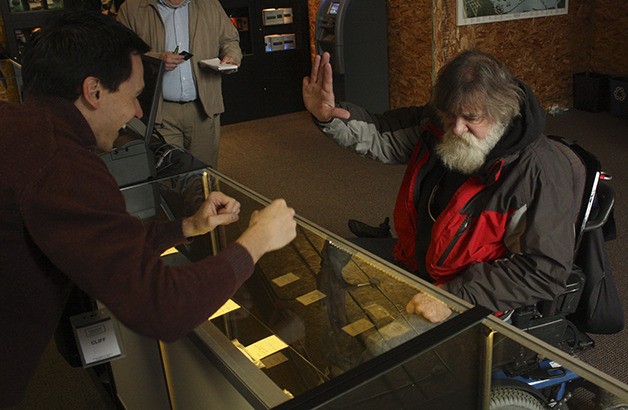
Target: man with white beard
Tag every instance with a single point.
(483, 208)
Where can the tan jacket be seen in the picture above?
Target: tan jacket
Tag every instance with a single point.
(211, 35)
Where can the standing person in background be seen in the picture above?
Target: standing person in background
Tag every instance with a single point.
(189, 115)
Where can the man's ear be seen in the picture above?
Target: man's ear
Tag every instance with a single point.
(92, 91)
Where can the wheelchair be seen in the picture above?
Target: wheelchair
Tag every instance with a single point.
(525, 381)
(528, 382)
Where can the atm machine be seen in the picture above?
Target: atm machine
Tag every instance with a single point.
(354, 33)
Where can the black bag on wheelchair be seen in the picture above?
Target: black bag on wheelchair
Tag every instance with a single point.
(600, 309)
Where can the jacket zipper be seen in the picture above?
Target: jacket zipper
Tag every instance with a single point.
(463, 228)
(465, 224)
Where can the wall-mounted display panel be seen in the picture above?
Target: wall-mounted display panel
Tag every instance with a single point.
(275, 42)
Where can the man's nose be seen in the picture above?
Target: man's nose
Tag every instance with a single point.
(459, 126)
(138, 109)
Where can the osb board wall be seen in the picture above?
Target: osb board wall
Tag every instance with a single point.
(544, 52)
(409, 51)
(609, 54)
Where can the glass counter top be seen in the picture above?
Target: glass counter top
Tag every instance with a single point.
(322, 324)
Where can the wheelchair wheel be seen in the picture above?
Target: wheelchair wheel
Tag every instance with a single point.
(507, 398)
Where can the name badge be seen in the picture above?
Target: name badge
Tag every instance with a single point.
(96, 337)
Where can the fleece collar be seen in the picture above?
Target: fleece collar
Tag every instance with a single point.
(522, 130)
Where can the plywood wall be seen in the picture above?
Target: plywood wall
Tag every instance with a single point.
(409, 51)
(609, 52)
(544, 52)
(539, 51)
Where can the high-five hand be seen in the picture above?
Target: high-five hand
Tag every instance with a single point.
(318, 91)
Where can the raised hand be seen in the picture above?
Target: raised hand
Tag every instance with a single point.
(318, 91)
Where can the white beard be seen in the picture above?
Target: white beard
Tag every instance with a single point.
(465, 153)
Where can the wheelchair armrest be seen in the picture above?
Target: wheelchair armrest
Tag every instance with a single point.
(567, 302)
(606, 200)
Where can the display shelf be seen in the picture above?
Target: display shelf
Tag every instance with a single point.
(17, 6)
(22, 17)
(268, 81)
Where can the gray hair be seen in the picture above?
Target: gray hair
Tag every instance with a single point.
(475, 79)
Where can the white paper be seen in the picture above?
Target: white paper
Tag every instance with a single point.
(229, 306)
(311, 297)
(286, 279)
(357, 327)
(214, 64)
(265, 347)
(169, 251)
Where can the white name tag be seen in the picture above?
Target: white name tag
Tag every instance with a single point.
(96, 337)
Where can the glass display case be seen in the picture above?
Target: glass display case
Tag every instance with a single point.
(322, 324)
(21, 18)
(10, 81)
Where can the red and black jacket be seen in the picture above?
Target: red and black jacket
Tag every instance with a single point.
(506, 237)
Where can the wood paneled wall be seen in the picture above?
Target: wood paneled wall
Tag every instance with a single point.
(544, 52)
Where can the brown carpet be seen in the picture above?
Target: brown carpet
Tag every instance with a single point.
(58, 386)
(286, 156)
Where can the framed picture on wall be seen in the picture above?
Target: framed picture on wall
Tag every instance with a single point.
(488, 11)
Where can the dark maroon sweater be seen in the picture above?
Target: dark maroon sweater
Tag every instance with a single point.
(63, 221)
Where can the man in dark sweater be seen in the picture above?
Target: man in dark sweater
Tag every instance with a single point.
(63, 220)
